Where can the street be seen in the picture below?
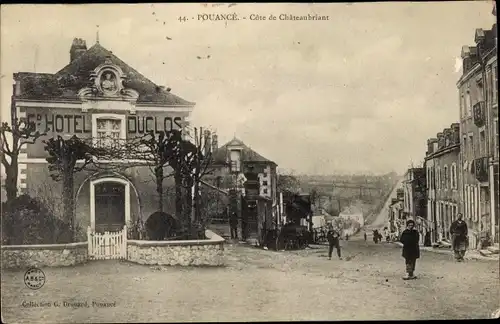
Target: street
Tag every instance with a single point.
(258, 285)
(380, 219)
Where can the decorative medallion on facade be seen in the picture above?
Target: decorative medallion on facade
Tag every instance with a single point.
(107, 85)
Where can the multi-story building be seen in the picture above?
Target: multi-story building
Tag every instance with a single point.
(234, 160)
(443, 183)
(99, 97)
(415, 201)
(478, 96)
(414, 193)
(432, 146)
(396, 217)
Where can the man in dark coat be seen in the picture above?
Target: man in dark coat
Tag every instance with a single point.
(458, 230)
(411, 250)
(333, 237)
(233, 224)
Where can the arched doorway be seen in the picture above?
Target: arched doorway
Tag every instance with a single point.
(109, 204)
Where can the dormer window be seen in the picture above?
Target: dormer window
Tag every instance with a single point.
(235, 160)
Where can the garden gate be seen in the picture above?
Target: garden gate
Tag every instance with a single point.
(107, 245)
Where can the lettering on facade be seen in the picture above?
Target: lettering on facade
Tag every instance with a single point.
(137, 124)
(61, 123)
(78, 124)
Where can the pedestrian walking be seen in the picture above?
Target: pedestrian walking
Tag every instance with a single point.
(376, 237)
(386, 233)
(233, 224)
(333, 237)
(366, 236)
(458, 230)
(411, 250)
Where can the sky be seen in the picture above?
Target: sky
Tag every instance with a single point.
(360, 92)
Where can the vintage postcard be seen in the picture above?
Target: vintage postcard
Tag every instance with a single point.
(218, 162)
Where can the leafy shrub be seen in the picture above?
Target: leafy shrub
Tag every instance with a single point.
(26, 220)
(161, 225)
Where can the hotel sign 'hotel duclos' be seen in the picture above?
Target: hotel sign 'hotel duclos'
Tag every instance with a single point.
(96, 95)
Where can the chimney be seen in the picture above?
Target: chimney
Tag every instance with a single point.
(447, 136)
(456, 133)
(430, 145)
(78, 47)
(215, 143)
(440, 140)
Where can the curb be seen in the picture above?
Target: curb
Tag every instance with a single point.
(469, 256)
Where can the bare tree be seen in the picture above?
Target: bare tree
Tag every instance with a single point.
(22, 133)
(63, 157)
(155, 151)
(191, 162)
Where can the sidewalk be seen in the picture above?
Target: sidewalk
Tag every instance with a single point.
(469, 255)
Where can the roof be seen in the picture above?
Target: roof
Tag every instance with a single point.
(65, 84)
(221, 155)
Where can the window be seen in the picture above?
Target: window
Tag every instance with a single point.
(462, 105)
(454, 176)
(438, 179)
(433, 179)
(471, 146)
(428, 178)
(494, 97)
(464, 147)
(475, 204)
(479, 89)
(235, 156)
(489, 83)
(495, 138)
(482, 143)
(265, 191)
(468, 103)
(445, 177)
(108, 130)
(264, 183)
(466, 198)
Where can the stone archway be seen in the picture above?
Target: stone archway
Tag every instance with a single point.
(86, 204)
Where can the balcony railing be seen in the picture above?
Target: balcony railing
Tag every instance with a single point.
(481, 169)
(479, 114)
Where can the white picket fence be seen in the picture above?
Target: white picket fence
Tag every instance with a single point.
(107, 245)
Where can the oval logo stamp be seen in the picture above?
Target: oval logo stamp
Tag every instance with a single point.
(34, 278)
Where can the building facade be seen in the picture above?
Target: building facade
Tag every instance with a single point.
(478, 95)
(429, 165)
(414, 193)
(234, 162)
(96, 97)
(396, 217)
(442, 162)
(415, 200)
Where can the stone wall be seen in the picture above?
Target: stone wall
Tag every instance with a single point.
(44, 255)
(209, 252)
